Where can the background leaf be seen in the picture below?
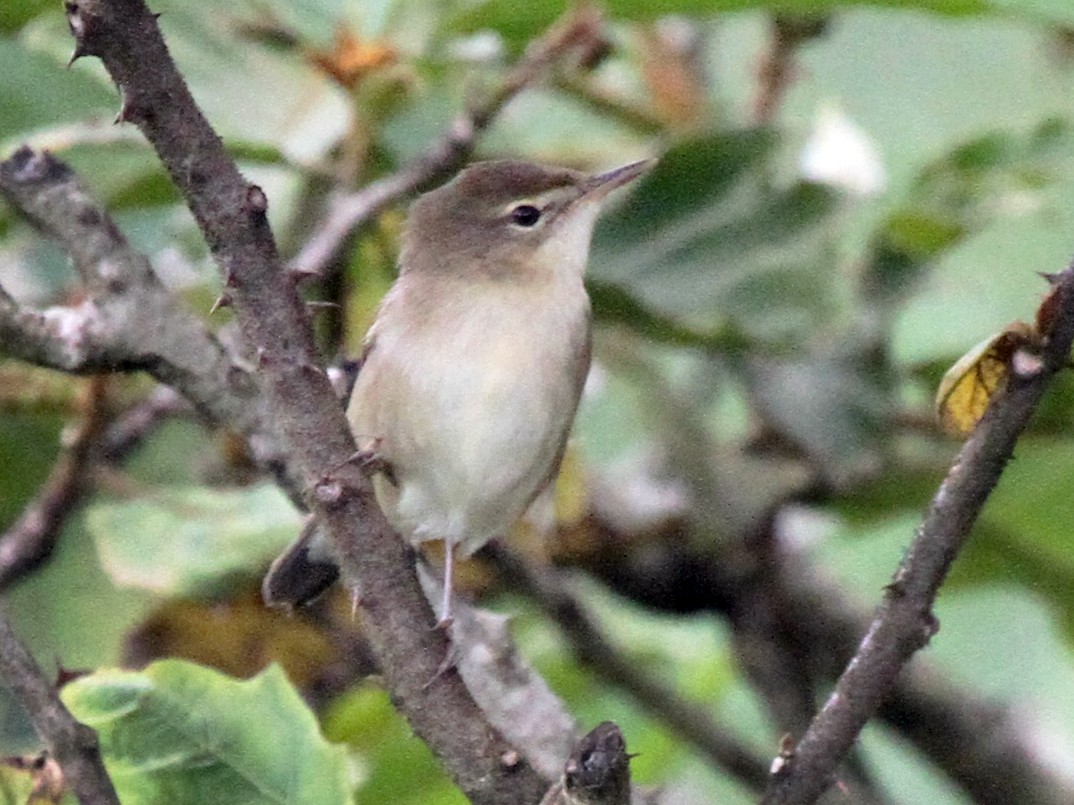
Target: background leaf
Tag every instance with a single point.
(192, 541)
(179, 733)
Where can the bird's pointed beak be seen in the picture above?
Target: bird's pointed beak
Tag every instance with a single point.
(599, 185)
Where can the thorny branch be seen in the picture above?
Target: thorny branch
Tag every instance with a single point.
(31, 538)
(978, 743)
(274, 323)
(904, 623)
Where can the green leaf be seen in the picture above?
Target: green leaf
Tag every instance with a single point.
(707, 240)
(37, 93)
(831, 404)
(1024, 534)
(194, 540)
(178, 733)
(979, 187)
(15, 14)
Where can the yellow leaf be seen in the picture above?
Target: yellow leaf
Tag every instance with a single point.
(977, 378)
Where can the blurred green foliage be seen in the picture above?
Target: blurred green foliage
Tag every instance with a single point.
(177, 732)
(761, 331)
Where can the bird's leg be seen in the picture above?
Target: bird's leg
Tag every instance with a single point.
(449, 572)
(451, 654)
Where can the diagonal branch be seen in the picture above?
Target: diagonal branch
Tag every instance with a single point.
(96, 437)
(30, 540)
(904, 622)
(980, 744)
(74, 745)
(579, 31)
(273, 321)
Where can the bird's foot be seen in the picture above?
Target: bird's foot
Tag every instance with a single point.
(449, 663)
(371, 462)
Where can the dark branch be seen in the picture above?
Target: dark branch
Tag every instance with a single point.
(904, 622)
(232, 216)
(74, 745)
(513, 696)
(978, 743)
(129, 429)
(577, 32)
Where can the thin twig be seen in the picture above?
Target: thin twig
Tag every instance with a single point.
(777, 67)
(96, 437)
(904, 622)
(74, 745)
(30, 540)
(594, 649)
(231, 214)
(130, 428)
(980, 744)
(576, 31)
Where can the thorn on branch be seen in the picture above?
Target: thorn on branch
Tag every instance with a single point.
(82, 29)
(510, 758)
(930, 628)
(781, 761)
(222, 301)
(127, 112)
(300, 275)
(1026, 364)
(256, 200)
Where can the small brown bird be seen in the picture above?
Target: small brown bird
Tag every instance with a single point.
(473, 368)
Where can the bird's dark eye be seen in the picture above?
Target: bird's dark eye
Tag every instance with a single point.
(525, 215)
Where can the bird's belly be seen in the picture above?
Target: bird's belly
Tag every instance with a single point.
(472, 428)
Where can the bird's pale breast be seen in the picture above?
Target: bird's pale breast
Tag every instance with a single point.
(470, 400)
